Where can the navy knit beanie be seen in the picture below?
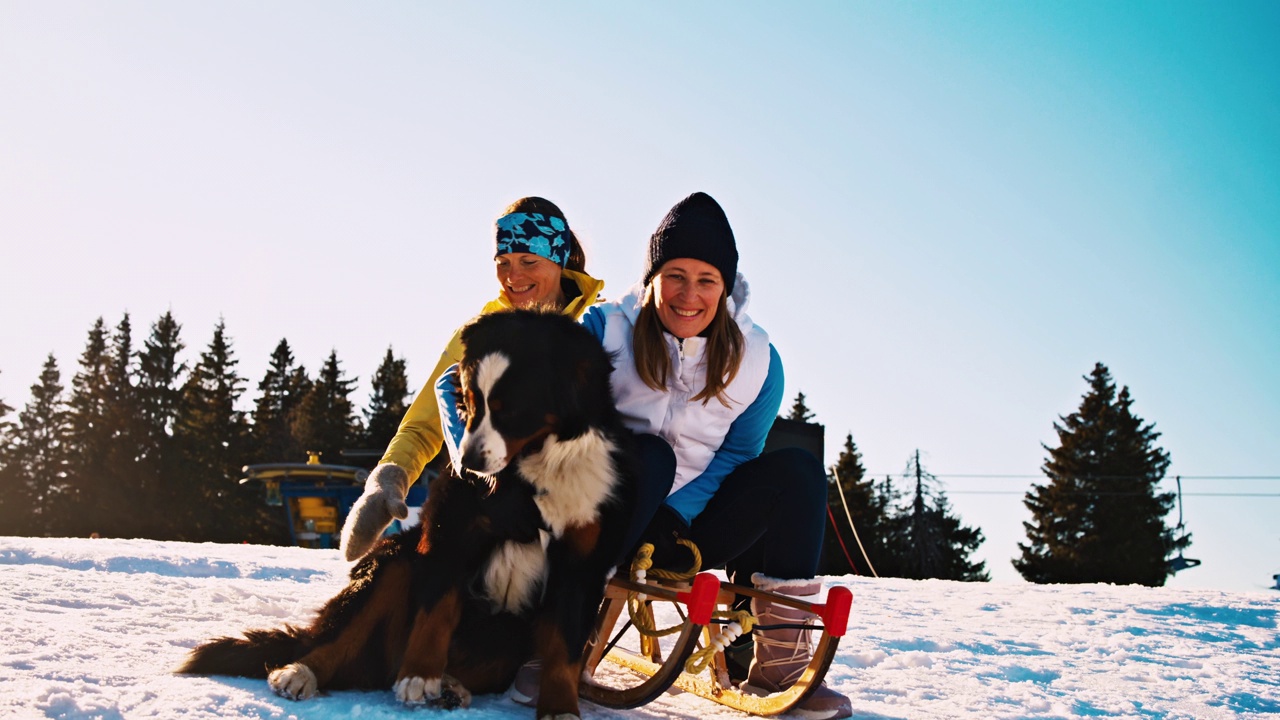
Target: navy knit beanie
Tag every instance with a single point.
(695, 228)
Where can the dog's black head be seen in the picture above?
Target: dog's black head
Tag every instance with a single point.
(527, 374)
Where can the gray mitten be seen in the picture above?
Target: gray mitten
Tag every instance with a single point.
(383, 499)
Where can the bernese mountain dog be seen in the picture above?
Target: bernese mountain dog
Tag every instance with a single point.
(513, 552)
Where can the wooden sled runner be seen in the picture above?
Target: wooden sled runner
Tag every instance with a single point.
(642, 666)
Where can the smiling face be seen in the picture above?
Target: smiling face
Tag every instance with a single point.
(529, 280)
(686, 294)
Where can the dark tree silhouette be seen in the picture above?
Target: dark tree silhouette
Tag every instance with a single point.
(388, 403)
(211, 435)
(34, 478)
(799, 410)
(280, 394)
(325, 421)
(930, 541)
(1100, 517)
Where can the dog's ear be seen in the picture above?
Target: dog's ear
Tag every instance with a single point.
(590, 398)
(574, 397)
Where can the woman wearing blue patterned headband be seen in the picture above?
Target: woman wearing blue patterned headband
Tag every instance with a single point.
(539, 263)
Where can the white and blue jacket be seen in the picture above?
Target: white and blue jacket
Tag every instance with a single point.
(710, 440)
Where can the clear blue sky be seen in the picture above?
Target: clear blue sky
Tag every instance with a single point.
(947, 212)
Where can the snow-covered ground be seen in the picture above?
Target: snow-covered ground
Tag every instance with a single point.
(91, 629)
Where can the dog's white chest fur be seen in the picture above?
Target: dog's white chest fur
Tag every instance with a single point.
(573, 478)
(515, 573)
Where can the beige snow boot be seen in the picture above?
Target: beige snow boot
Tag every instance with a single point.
(782, 654)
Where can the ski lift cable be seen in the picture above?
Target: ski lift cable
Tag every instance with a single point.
(998, 476)
(1119, 493)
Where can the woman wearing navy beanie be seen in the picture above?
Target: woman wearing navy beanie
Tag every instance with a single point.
(693, 369)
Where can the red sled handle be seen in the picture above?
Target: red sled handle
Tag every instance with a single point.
(701, 598)
(835, 611)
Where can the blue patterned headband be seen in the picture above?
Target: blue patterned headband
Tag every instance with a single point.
(542, 235)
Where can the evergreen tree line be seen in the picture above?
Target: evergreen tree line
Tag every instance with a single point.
(899, 533)
(144, 445)
(1099, 517)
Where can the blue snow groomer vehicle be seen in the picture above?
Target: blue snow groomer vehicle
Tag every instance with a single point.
(316, 497)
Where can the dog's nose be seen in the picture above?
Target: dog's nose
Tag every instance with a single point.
(473, 460)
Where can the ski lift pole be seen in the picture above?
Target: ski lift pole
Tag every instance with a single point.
(1181, 562)
(1178, 479)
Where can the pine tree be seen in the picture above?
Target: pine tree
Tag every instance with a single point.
(211, 434)
(923, 549)
(799, 410)
(280, 393)
(388, 403)
(34, 481)
(119, 487)
(1100, 517)
(159, 389)
(6, 437)
(89, 439)
(893, 538)
(159, 376)
(5, 425)
(931, 542)
(325, 421)
(959, 543)
(869, 511)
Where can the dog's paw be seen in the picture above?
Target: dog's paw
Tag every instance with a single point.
(442, 692)
(559, 716)
(453, 694)
(294, 681)
(415, 690)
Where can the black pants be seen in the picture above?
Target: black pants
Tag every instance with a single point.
(657, 471)
(768, 516)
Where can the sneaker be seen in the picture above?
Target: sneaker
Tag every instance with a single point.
(524, 689)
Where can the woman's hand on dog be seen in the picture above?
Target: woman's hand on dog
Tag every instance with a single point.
(382, 501)
(665, 531)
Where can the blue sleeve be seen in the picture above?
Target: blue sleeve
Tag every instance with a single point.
(450, 424)
(743, 442)
(593, 320)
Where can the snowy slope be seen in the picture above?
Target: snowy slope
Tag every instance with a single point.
(91, 628)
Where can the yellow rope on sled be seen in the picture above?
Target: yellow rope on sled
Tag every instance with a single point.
(641, 568)
(642, 613)
(701, 659)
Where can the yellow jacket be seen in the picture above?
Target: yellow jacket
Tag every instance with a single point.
(419, 437)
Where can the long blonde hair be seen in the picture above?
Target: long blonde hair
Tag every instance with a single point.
(723, 355)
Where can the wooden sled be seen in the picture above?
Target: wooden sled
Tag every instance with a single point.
(640, 668)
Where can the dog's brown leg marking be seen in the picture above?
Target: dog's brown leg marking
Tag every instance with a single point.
(582, 539)
(428, 650)
(558, 692)
(387, 602)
